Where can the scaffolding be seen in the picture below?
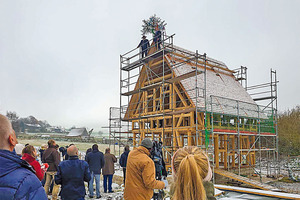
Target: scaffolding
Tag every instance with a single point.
(152, 98)
(266, 94)
(164, 96)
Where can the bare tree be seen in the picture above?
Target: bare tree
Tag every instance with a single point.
(12, 116)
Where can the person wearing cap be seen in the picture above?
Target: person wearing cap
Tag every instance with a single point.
(140, 173)
(42, 150)
(145, 46)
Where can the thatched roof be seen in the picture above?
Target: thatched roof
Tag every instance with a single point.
(221, 85)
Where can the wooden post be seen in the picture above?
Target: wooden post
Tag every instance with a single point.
(233, 150)
(154, 99)
(222, 147)
(175, 143)
(134, 139)
(190, 137)
(226, 152)
(248, 147)
(216, 148)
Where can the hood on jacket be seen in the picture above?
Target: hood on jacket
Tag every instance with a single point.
(126, 153)
(10, 161)
(29, 158)
(143, 150)
(94, 151)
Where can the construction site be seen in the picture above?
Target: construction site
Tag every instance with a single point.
(184, 98)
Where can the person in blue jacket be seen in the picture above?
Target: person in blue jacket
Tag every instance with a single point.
(123, 161)
(157, 38)
(71, 175)
(95, 159)
(17, 177)
(145, 46)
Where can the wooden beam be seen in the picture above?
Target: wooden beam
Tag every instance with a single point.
(180, 96)
(154, 99)
(216, 148)
(233, 152)
(201, 62)
(184, 76)
(190, 138)
(175, 143)
(226, 152)
(145, 88)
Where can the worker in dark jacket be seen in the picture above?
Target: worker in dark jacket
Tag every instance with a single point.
(17, 178)
(52, 157)
(157, 38)
(145, 46)
(95, 159)
(123, 161)
(71, 175)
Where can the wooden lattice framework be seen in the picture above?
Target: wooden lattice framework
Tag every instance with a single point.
(160, 108)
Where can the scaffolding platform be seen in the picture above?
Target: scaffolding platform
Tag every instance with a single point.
(248, 181)
(146, 59)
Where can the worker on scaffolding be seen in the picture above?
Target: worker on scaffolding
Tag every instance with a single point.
(145, 46)
(157, 38)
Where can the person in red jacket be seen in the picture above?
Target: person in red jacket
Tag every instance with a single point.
(29, 154)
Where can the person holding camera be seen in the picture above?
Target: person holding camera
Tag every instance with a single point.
(140, 173)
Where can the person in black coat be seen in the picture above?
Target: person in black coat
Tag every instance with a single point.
(87, 151)
(71, 174)
(123, 161)
(95, 159)
(145, 46)
(157, 38)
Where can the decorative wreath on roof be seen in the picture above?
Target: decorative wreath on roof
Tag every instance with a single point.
(150, 24)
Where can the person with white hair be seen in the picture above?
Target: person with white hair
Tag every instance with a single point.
(19, 148)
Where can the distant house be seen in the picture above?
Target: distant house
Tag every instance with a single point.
(32, 128)
(78, 132)
(55, 129)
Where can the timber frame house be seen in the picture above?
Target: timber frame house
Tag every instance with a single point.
(184, 98)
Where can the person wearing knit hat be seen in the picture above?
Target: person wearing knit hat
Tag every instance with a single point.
(140, 173)
(147, 143)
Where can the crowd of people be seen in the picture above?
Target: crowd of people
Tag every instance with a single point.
(24, 177)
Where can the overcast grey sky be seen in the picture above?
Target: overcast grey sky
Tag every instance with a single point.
(59, 59)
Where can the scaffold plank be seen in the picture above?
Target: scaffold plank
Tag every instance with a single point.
(142, 61)
(264, 193)
(245, 180)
